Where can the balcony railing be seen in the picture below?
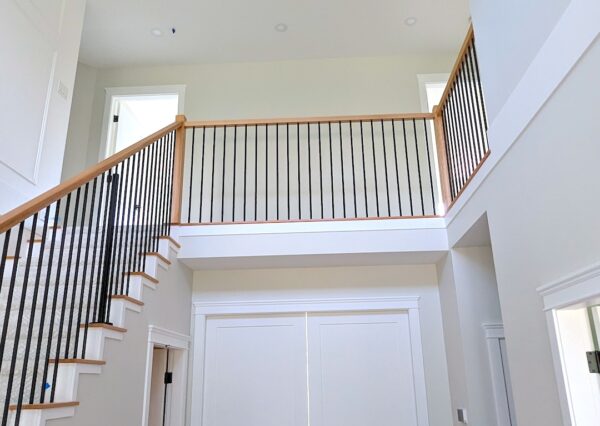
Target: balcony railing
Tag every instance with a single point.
(310, 169)
(335, 168)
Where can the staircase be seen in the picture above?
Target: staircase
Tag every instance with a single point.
(66, 379)
(73, 262)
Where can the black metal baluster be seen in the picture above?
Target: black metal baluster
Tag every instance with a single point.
(412, 212)
(85, 280)
(223, 174)
(375, 170)
(342, 168)
(33, 310)
(483, 111)
(429, 166)
(44, 303)
(212, 170)
(15, 348)
(266, 171)
(385, 167)
(64, 312)
(202, 177)
(321, 171)
(76, 274)
(287, 151)
(245, 165)
(310, 210)
(234, 170)
(396, 164)
(364, 169)
(449, 139)
(55, 301)
(171, 169)
(191, 174)
(473, 103)
(467, 124)
(277, 168)
(418, 166)
(479, 97)
(103, 313)
(11, 289)
(4, 257)
(331, 170)
(353, 171)
(256, 173)
(299, 181)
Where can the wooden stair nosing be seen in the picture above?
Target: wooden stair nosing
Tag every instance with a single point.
(158, 255)
(105, 326)
(78, 361)
(45, 405)
(143, 275)
(169, 238)
(127, 298)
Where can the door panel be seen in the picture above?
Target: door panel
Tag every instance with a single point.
(361, 370)
(255, 371)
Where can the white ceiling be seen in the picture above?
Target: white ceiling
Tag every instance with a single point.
(118, 32)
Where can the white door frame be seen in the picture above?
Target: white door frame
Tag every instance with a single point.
(112, 93)
(178, 341)
(579, 288)
(204, 310)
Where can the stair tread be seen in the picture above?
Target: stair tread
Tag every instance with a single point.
(45, 405)
(160, 256)
(143, 275)
(171, 239)
(105, 326)
(78, 361)
(127, 298)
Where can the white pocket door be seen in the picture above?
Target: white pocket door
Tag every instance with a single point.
(256, 371)
(361, 370)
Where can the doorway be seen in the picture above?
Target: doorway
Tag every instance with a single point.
(132, 113)
(161, 387)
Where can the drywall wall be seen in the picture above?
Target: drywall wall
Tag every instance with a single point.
(78, 135)
(278, 89)
(353, 282)
(469, 298)
(116, 396)
(39, 42)
(542, 213)
(508, 35)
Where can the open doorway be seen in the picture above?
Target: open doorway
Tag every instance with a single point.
(166, 378)
(132, 113)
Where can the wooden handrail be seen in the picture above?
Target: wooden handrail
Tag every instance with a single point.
(455, 70)
(306, 120)
(19, 214)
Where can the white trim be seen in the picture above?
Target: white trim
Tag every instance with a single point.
(306, 305)
(112, 92)
(202, 310)
(423, 80)
(178, 341)
(575, 288)
(581, 287)
(494, 333)
(573, 34)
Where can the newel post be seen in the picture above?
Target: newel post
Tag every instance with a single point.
(442, 156)
(178, 170)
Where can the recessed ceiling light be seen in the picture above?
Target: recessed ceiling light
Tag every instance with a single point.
(410, 21)
(281, 27)
(156, 32)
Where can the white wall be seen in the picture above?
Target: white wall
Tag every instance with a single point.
(116, 396)
(323, 283)
(508, 35)
(278, 89)
(39, 42)
(469, 298)
(80, 120)
(542, 212)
